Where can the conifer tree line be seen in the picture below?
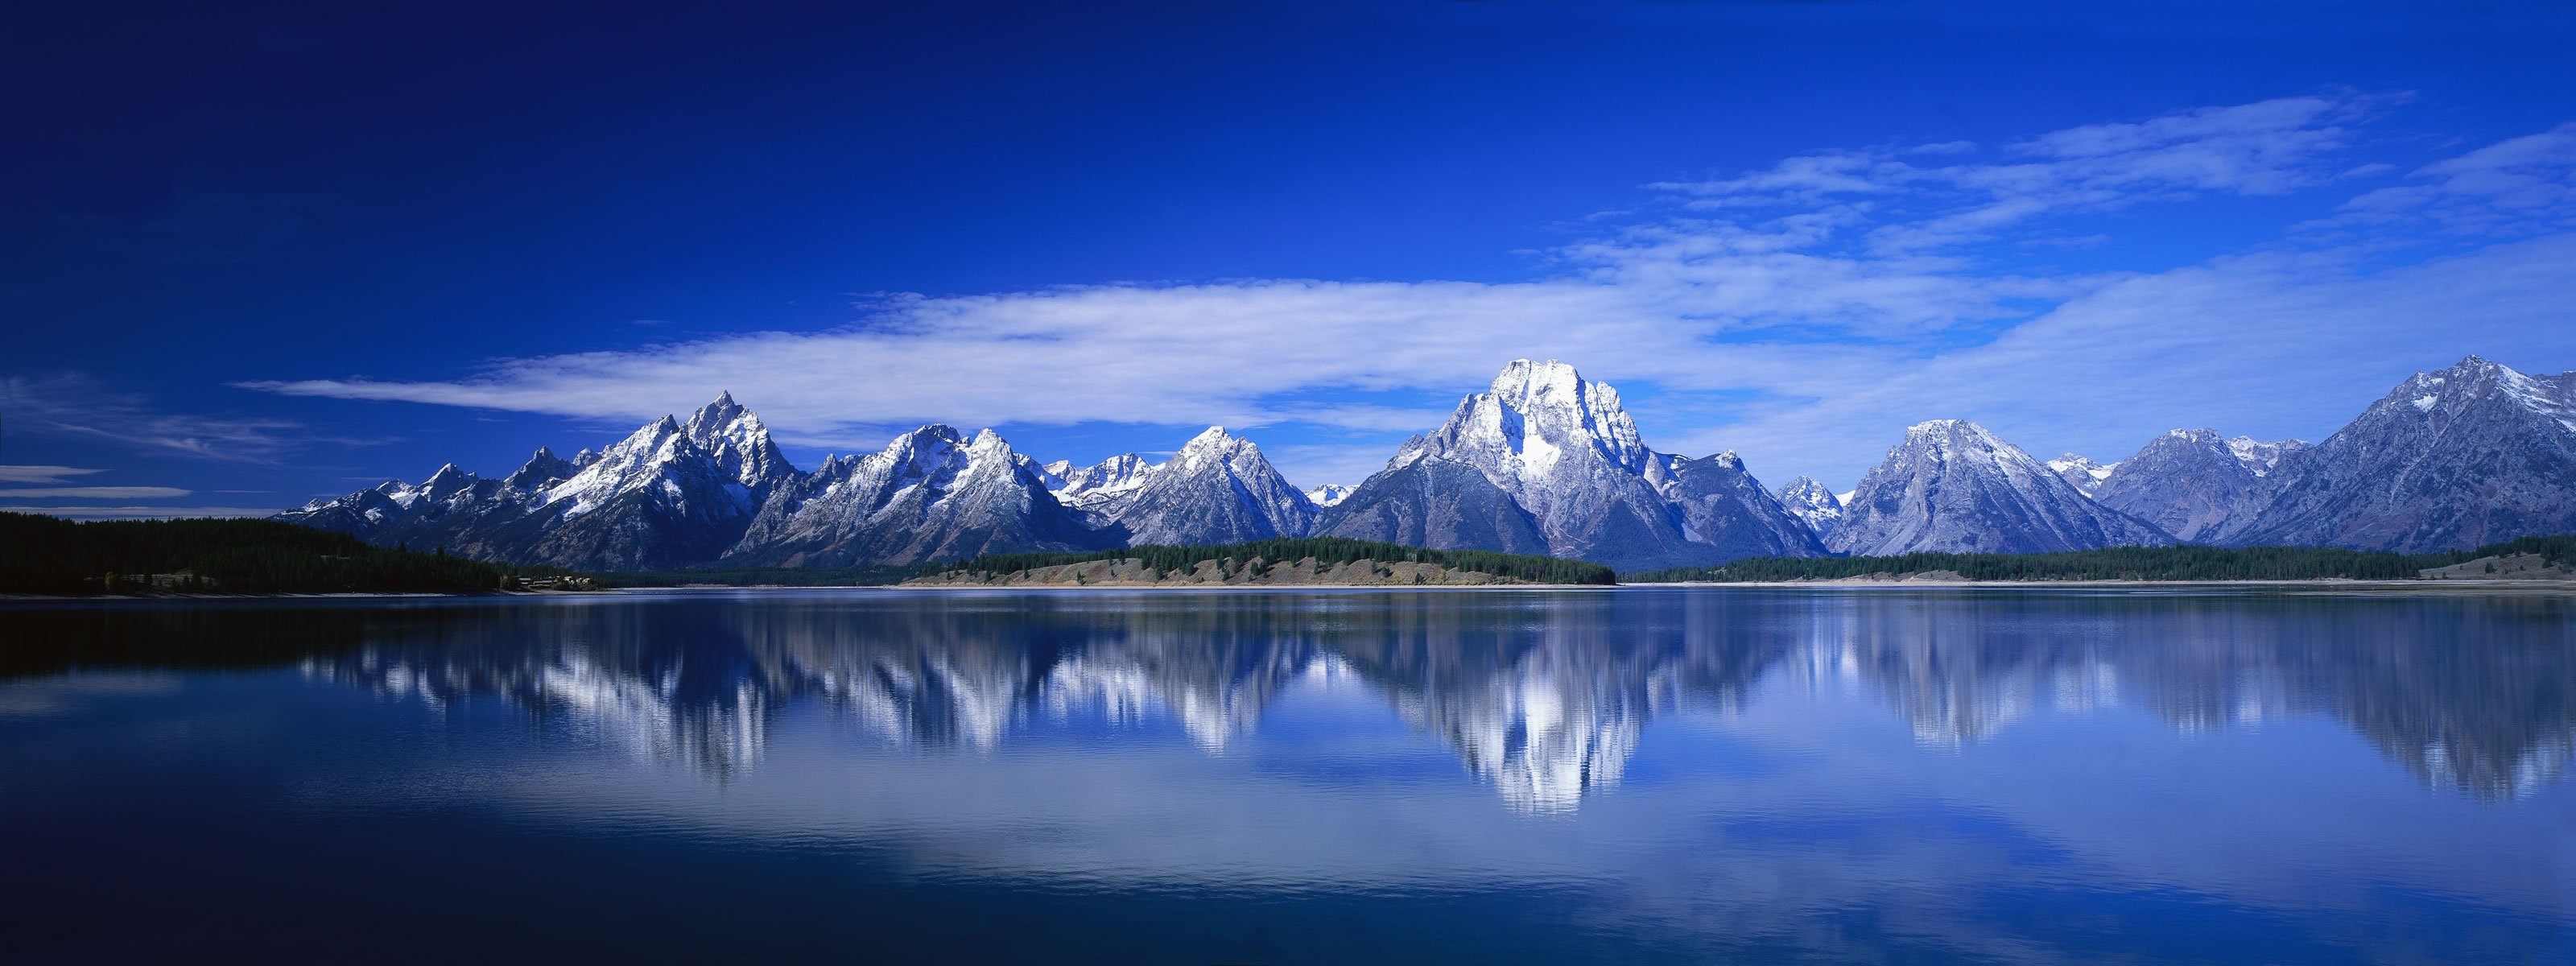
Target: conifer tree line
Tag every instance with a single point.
(2122, 563)
(1326, 551)
(50, 555)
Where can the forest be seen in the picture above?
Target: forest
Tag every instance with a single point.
(2120, 563)
(51, 555)
(1325, 550)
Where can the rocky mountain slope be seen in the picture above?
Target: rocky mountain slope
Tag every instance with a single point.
(1217, 489)
(1813, 503)
(931, 494)
(2195, 485)
(1953, 487)
(2464, 456)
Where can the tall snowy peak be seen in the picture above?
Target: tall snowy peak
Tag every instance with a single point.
(1951, 486)
(1565, 449)
(1813, 503)
(2450, 459)
(1217, 489)
(739, 442)
(2191, 483)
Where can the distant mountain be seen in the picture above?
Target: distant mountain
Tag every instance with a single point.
(931, 494)
(2452, 459)
(1813, 504)
(1542, 461)
(2081, 472)
(1951, 486)
(1724, 508)
(1562, 451)
(1329, 494)
(668, 494)
(2195, 485)
(1104, 487)
(1217, 489)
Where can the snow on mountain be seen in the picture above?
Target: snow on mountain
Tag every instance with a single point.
(1812, 504)
(930, 494)
(1217, 489)
(1951, 486)
(2447, 460)
(1565, 452)
(1105, 487)
(1329, 494)
(2081, 471)
(2261, 458)
(1542, 461)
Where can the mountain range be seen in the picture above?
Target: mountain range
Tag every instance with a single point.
(1542, 461)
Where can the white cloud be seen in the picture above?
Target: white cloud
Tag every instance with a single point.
(95, 493)
(42, 474)
(76, 405)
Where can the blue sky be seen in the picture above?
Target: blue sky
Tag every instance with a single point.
(256, 254)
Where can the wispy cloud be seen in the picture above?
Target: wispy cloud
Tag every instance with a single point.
(2517, 186)
(42, 474)
(77, 405)
(1829, 300)
(95, 493)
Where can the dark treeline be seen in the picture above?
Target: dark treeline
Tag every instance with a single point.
(768, 576)
(2120, 563)
(1325, 550)
(50, 555)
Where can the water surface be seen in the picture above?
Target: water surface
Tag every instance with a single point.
(1720, 774)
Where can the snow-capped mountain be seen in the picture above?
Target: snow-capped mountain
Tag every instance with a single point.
(1563, 451)
(2471, 454)
(1105, 487)
(1329, 494)
(2195, 485)
(1217, 489)
(931, 494)
(1951, 486)
(2081, 472)
(1813, 504)
(1543, 461)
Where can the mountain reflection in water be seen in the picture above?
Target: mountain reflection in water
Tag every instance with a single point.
(1544, 696)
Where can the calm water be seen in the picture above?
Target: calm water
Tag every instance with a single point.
(1633, 775)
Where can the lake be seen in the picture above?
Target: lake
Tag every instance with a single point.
(1641, 774)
